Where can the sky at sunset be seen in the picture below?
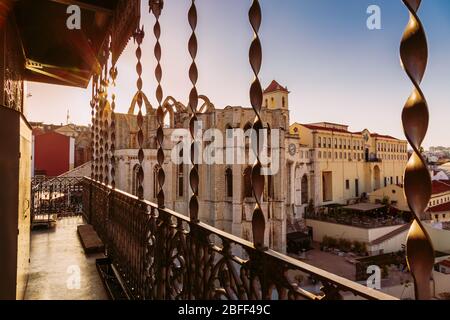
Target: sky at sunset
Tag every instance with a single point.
(335, 67)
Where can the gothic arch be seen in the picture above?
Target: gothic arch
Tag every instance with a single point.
(148, 105)
(207, 106)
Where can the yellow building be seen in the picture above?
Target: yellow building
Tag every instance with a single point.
(348, 165)
(438, 207)
(393, 195)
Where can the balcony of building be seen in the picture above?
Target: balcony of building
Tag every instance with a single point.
(149, 251)
(153, 253)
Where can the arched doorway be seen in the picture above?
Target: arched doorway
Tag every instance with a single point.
(377, 177)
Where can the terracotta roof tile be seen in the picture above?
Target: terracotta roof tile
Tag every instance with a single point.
(445, 263)
(275, 86)
(440, 208)
(440, 186)
(313, 127)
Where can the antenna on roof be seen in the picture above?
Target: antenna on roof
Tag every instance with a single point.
(68, 116)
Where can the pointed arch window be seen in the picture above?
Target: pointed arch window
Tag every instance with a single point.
(135, 180)
(229, 182)
(247, 175)
(305, 194)
(155, 182)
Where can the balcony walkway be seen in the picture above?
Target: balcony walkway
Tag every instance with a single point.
(56, 258)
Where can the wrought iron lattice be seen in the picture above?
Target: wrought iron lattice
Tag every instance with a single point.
(139, 38)
(418, 188)
(194, 179)
(53, 198)
(156, 6)
(161, 254)
(256, 99)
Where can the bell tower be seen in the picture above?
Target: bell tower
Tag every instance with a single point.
(276, 96)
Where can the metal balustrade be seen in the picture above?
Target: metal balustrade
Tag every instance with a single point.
(161, 254)
(53, 198)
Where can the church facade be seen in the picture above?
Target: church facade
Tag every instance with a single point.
(225, 196)
(318, 164)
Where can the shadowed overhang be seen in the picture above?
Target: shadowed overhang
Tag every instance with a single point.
(55, 54)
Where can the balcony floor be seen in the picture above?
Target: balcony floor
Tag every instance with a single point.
(56, 257)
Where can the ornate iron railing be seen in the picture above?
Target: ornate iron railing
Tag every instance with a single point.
(55, 197)
(161, 254)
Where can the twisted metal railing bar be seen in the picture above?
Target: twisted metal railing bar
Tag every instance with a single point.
(418, 188)
(101, 142)
(156, 6)
(256, 99)
(92, 103)
(194, 178)
(106, 125)
(158, 253)
(138, 38)
(96, 128)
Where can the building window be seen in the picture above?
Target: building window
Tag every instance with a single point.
(155, 182)
(289, 183)
(229, 182)
(270, 186)
(335, 143)
(347, 184)
(385, 181)
(320, 142)
(283, 102)
(135, 180)
(267, 103)
(180, 175)
(327, 186)
(320, 155)
(356, 188)
(229, 131)
(305, 194)
(247, 182)
(329, 143)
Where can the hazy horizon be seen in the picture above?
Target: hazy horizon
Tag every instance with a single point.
(336, 68)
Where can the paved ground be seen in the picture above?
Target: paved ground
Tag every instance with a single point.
(58, 262)
(330, 262)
